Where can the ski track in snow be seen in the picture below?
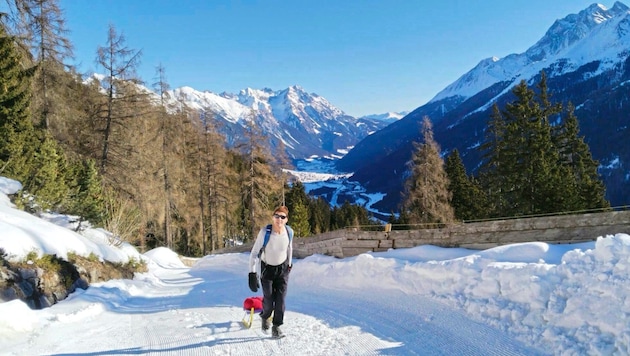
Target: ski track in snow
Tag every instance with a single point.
(177, 320)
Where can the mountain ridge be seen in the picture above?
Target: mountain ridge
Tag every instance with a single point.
(306, 123)
(564, 34)
(585, 57)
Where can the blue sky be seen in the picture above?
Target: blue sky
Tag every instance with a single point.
(365, 57)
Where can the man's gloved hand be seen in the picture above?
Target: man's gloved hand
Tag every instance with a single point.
(253, 282)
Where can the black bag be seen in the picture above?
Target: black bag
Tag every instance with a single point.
(253, 282)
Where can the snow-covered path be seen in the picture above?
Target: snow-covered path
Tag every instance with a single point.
(197, 311)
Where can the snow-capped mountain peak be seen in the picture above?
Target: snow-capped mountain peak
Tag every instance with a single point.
(306, 123)
(570, 43)
(570, 30)
(228, 109)
(387, 117)
(252, 98)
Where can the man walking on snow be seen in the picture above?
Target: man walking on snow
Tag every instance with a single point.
(274, 248)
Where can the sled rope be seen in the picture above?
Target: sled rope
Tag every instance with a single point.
(247, 322)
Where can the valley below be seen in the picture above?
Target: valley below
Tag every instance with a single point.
(321, 179)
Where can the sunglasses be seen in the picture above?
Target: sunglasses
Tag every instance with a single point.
(281, 217)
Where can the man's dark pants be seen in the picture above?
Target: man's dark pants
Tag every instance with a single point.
(274, 281)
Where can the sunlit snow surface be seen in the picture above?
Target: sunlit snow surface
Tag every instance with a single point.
(520, 299)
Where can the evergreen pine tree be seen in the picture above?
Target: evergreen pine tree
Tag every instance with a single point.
(299, 220)
(320, 215)
(296, 195)
(47, 181)
(522, 157)
(494, 166)
(17, 135)
(468, 201)
(553, 186)
(86, 195)
(37, 163)
(576, 154)
(343, 216)
(334, 219)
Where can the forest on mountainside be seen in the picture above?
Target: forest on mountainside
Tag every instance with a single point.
(112, 153)
(534, 162)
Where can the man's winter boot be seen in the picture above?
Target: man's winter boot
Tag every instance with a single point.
(276, 332)
(265, 324)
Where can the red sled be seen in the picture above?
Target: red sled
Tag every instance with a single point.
(251, 305)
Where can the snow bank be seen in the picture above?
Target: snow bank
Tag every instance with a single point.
(571, 299)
